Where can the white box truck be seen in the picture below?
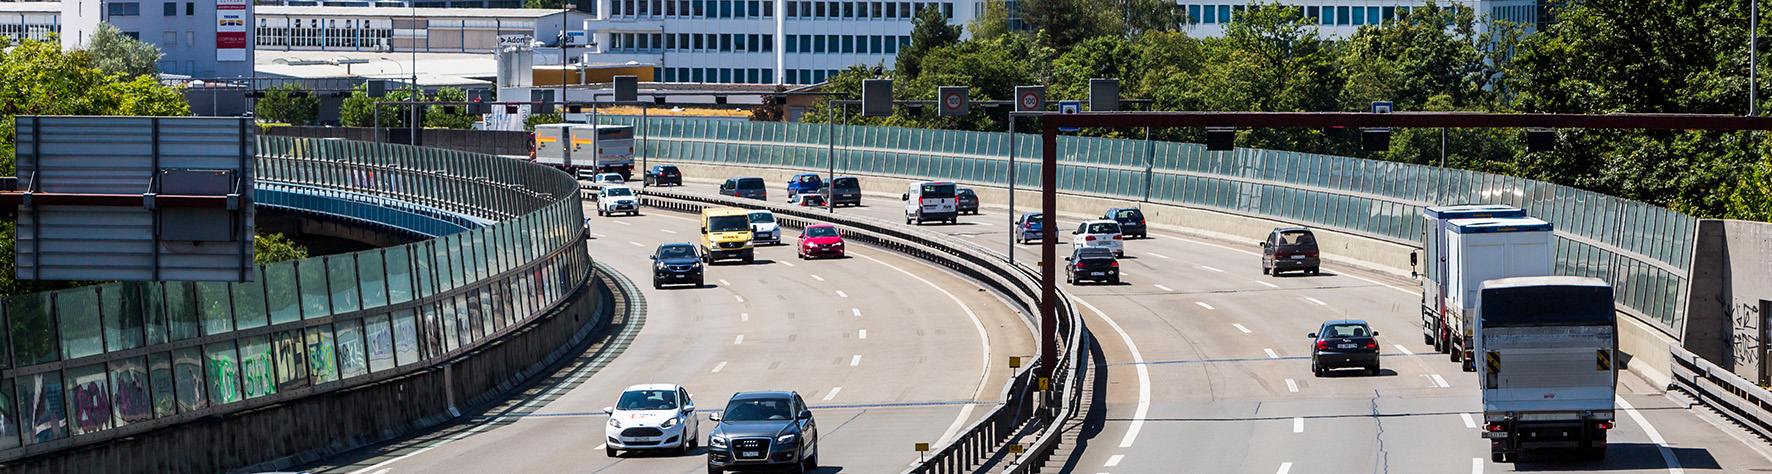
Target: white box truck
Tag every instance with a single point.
(1548, 368)
(1481, 249)
(1434, 330)
(585, 149)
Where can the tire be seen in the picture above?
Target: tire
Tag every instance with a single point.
(1316, 370)
(1264, 270)
(609, 451)
(1427, 339)
(714, 470)
(1068, 279)
(1456, 355)
(1114, 281)
(811, 462)
(1498, 457)
(698, 284)
(749, 259)
(1373, 370)
(599, 212)
(656, 285)
(1316, 271)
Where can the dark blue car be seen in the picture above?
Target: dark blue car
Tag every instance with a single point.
(676, 264)
(804, 183)
(1030, 227)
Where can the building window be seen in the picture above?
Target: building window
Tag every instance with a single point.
(947, 10)
(1210, 16)
(670, 75)
(768, 43)
(904, 10)
(848, 44)
(817, 76)
(874, 45)
(134, 35)
(818, 44)
(1313, 13)
(696, 75)
(793, 10)
(891, 45)
(793, 45)
(725, 76)
(1341, 16)
(698, 46)
(819, 9)
(171, 9)
(1224, 14)
(848, 9)
(170, 39)
(834, 41)
(1389, 13)
(1372, 16)
(726, 42)
(805, 43)
(755, 43)
(738, 43)
(124, 9)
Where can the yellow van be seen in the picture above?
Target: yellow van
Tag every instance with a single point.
(726, 234)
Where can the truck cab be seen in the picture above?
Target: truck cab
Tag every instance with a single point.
(1547, 368)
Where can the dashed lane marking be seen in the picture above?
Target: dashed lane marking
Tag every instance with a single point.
(787, 263)
(1285, 467)
(739, 298)
(719, 366)
(667, 231)
(841, 294)
(1469, 422)
(1271, 354)
(1241, 328)
(1404, 350)
(1317, 301)
(723, 282)
(1158, 255)
(833, 394)
(1113, 460)
(620, 222)
(1476, 465)
(856, 311)
(1269, 285)
(1292, 385)
(864, 335)
(1165, 288)
(1207, 306)
(744, 316)
(1297, 424)
(738, 340)
(855, 361)
(1441, 381)
(816, 277)
(636, 244)
(1212, 269)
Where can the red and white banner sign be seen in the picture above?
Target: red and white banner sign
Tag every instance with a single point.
(230, 30)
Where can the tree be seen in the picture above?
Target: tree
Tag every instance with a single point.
(359, 110)
(113, 53)
(281, 106)
(273, 248)
(532, 120)
(1272, 59)
(439, 116)
(1131, 18)
(993, 23)
(929, 30)
(1066, 22)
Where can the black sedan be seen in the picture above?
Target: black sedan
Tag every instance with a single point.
(676, 264)
(1091, 263)
(1344, 344)
(966, 201)
(663, 175)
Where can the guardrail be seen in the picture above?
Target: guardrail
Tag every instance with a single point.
(1735, 397)
(1024, 406)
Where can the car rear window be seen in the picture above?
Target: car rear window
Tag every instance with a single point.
(1036, 218)
(1129, 214)
(1346, 330)
(667, 169)
(810, 179)
(938, 191)
(966, 192)
(1095, 253)
(1104, 228)
(845, 183)
(1297, 238)
(750, 183)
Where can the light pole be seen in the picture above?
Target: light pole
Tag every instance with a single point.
(377, 108)
(412, 96)
(1753, 56)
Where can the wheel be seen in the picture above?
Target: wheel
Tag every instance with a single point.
(609, 451)
(1264, 270)
(1316, 271)
(907, 220)
(1456, 355)
(1276, 272)
(714, 470)
(1316, 370)
(1498, 457)
(656, 285)
(748, 259)
(811, 462)
(699, 283)
(599, 212)
(1373, 370)
(1114, 281)
(1427, 339)
(1070, 279)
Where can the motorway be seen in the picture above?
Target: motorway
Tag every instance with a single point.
(888, 351)
(1208, 371)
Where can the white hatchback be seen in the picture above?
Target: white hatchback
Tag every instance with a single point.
(1099, 234)
(652, 416)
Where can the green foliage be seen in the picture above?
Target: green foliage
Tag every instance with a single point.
(532, 120)
(1752, 197)
(273, 248)
(113, 53)
(993, 23)
(929, 30)
(439, 117)
(1065, 22)
(545, 4)
(359, 110)
(279, 106)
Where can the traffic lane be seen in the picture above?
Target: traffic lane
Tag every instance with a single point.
(677, 347)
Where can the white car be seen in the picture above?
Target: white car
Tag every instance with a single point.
(607, 179)
(618, 199)
(652, 416)
(764, 228)
(1099, 234)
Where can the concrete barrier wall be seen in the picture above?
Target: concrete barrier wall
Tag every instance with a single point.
(1726, 320)
(314, 427)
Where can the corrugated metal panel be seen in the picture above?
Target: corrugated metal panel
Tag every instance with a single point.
(121, 155)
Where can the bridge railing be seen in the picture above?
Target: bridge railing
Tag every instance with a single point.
(102, 362)
(1643, 250)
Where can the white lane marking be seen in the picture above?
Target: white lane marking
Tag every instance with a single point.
(738, 340)
(667, 231)
(1469, 422)
(1271, 354)
(1207, 306)
(1317, 301)
(594, 234)
(719, 366)
(1165, 288)
(744, 316)
(1158, 255)
(787, 263)
(984, 341)
(857, 311)
(855, 361)
(636, 244)
(1441, 381)
(1416, 292)
(1213, 269)
(739, 298)
(1291, 385)
(816, 277)
(1297, 424)
(723, 282)
(1476, 465)
(841, 294)
(1191, 241)
(1269, 285)
(833, 394)
(1404, 350)
(864, 335)
(385, 470)
(620, 222)
(1241, 328)
(969, 236)
(1144, 376)
(1285, 467)
(1667, 454)
(1113, 460)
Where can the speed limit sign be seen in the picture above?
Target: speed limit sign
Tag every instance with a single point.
(1030, 98)
(953, 101)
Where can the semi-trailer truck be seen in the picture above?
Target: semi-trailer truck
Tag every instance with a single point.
(585, 150)
(1463, 252)
(1548, 367)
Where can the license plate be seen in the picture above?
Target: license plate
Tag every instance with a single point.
(643, 438)
(1298, 257)
(1347, 346)
(750, 454)
(1095, 273)
(1495, 434)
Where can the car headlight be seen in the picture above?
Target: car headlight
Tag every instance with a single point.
(669, 423)
(613, 423)
(716, 441)
(787, 438)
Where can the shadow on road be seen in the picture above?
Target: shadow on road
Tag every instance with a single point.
(1619, 457)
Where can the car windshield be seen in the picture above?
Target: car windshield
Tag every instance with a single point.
(676, 251)
(1297, 238)
(617, 192)
(1104, 228)
(1128, 214)
(938, 191)
(750, 183)
(821, 232)
(648, 400)
(758, 409)
(728, 224)
(762, 218)
(1345, 330)
(845, 183)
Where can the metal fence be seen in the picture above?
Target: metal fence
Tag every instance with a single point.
(101, 362)
(1643, 250)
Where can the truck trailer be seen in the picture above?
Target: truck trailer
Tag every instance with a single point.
(585, 150)
(1548, 368)
(1464, 252)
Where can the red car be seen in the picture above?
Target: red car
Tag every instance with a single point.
(820, 241)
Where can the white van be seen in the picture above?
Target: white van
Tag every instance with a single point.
(931, 201)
